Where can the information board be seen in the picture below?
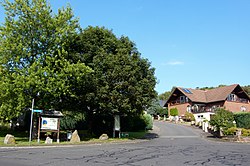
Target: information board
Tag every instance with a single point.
(49, 123)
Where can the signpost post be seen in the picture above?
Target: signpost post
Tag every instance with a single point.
(38, 137)
(31, 119)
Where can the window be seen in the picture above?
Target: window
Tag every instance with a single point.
(200, 116)
(195, 108)
(231, 97)
(243, 108)
(189, 109)
(186, 90)
(182, 99)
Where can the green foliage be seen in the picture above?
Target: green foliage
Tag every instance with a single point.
(189, 116)
(156, 109)
(134, 123)
(246, 89)
(242, 120)
(163, 111)
(123, 81)
(174, 112)
(233, 130)
(70, 120)
(165, 95)
(222, 118)
(245, 132)
(45, 52)
(33, 51)
(230, 131)
(148, 121)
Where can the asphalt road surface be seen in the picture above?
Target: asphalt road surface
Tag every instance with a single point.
(175, 145)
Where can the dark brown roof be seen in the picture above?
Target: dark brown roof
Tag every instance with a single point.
(208, 96)
(221, 93)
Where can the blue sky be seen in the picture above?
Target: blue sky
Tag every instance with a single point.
(191, 43)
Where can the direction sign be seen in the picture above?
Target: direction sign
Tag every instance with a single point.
(40, 111)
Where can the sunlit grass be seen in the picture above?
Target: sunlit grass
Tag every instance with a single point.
(22, 139)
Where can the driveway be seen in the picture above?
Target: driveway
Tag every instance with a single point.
(172, 144)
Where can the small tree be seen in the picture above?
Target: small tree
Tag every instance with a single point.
(148, 121)
(174, 112)
(157, 109)
(222, 119)
(189, 116)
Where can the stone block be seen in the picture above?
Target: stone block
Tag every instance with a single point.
(75, 137)
(9, 139)
(104, 137)
(48, 140)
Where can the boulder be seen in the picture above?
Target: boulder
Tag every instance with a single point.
(48, 140)
(104, 137)
(75, 137)
(9, 139)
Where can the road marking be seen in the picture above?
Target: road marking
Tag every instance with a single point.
(180, 136)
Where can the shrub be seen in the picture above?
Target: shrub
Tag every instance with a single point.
(174, 112)
(230, 131)
(189, 116)
(245, 132)
(132, 123)
(148, 121)
(163, 111)
(136, 123)
(222, 119)
(242, 120)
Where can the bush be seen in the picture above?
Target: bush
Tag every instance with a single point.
(230, 131)
(242, 120)
(162, 112)
(245, 132)
(148, 121)
(222, 119)
(136, 123)
(189, 116)
(174, 112)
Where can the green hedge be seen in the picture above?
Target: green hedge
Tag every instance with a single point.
(174, 112)
(136, 123)
(242, 120)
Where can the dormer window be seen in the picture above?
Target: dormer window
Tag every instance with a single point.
(231, 97)
(183, 99)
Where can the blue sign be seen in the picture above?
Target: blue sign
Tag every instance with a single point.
(40, 111)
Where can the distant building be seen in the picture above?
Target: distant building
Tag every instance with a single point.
(204, 102)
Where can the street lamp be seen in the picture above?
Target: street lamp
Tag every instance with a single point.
(31, 118)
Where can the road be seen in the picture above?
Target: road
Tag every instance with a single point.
(176, 145)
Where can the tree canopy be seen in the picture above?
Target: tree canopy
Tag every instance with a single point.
(123, 82)
(33, 47)
(90, 70)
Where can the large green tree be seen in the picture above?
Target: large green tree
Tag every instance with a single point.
(123, 82)
(34, 56)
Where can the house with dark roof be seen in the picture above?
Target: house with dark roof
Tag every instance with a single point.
(202, 103)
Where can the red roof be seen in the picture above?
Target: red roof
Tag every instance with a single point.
(208, 96)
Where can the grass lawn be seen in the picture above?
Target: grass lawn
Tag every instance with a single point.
(22, 139)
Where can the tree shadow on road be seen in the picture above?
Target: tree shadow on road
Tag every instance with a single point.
(150, 136)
